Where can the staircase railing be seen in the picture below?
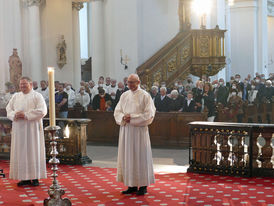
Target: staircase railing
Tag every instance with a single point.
(194, 52)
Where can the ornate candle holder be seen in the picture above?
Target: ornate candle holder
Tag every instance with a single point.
(55, 192)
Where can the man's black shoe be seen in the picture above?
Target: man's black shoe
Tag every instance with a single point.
(23, 183)
(142, 190)
(35, 182)
(130, 190)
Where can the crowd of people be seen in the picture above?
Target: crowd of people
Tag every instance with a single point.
(183, 96)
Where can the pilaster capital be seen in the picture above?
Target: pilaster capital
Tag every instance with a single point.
(33, 2)
(77, 5)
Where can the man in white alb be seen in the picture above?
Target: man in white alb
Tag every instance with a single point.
(44, 91)
(134, 112)
(27, 159)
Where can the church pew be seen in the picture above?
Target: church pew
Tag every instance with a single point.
(3, 113)
(250, 113)
(169, 129)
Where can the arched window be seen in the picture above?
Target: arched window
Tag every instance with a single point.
(83, 21)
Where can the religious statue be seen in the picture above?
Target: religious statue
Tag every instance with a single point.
(61, 53)
(15, 65)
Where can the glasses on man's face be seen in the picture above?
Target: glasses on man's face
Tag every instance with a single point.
(131, 82)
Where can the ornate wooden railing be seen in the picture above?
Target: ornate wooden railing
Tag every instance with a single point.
(171, 62)
(232, 149)
(194, 52)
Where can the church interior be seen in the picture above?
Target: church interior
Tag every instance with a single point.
(204, 70)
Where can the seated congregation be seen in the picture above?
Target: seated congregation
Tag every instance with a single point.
(222, 101)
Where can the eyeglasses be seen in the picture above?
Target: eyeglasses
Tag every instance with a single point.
(131, 82)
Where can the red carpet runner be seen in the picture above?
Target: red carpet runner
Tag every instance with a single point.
(97, 186)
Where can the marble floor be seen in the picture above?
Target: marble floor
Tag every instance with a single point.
(164, 160)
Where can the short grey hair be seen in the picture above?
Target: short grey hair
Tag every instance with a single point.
(28, 79)
(163, 88)
(154, 88)
(174, 92)
(135, 76)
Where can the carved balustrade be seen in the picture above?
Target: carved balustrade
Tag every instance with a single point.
(232, 149)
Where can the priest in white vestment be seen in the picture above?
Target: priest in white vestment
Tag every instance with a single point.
(71, 96)
(44, 90)
(134, 112)
(27, 158)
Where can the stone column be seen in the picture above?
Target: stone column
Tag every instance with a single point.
(244, 37)
(89, 10)
(76, 7)
(34, 39)
(98, 39)
(228, 42)
(262, 38)
(270, 28)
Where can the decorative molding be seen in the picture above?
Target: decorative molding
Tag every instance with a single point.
(33, 2)
(77, 5)
(83, 1)
(270, 7)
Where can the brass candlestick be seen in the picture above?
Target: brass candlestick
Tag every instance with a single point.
(55, 192)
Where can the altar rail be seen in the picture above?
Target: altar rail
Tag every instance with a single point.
(232, 149)
(71, 144)
(168, 130)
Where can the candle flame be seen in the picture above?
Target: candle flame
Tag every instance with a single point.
(230, 2)
(66, 132)
(50, 69)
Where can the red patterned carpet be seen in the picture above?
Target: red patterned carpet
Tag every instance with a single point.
(97, 186)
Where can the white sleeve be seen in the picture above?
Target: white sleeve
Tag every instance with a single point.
(10, 108)
(118, 112)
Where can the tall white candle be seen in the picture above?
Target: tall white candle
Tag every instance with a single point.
(51, 96)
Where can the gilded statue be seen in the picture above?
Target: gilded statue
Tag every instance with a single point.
(61, 53)
(15, 65)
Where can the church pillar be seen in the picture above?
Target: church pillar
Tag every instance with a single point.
(227, 42)
(244, 37)
(76, 7)
(98, 38)
(262, 37)
(34, 39)
(10, 36)
(89, 29)
(270, 34)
